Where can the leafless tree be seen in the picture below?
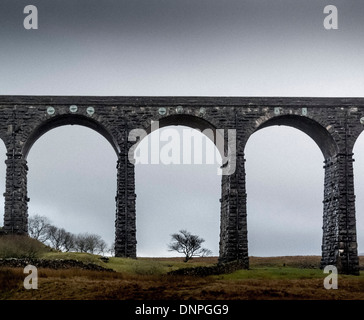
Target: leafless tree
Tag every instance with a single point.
(68, 242)
(112, 249)
(38, 227)
(80, 243)
(56, 237)
(91, 243)
(102, 246)
(188, 244)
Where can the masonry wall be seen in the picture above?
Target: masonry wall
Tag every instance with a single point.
(333, 123)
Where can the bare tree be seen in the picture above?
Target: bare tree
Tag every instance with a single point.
(188, 244)
(102, 246)
(112, 249)
(91, 243)
(68, 242)
(80, 243)
(38, 227)
(56, 237)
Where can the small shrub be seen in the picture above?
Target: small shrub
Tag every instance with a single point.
(20, 247)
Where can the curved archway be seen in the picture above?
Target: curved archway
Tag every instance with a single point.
(71, 180)
(284, 178)
(194, 122)
(68, 119)
(358, 165)
(186, 120)
(177, 196)
(316, 131)
(319, 134)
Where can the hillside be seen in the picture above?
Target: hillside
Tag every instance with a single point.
(289, 277)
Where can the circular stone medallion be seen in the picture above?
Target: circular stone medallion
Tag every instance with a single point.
(51, 110)
(162, 111)
(73, 108)
(90, 110)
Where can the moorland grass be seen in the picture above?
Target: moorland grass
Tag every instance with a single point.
(146, 278)
(274, 273)
(139, 266)
(152, 266)
(80, 256)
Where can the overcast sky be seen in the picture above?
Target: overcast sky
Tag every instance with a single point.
(187, 48)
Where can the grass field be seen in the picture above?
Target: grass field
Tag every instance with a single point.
(146, 278)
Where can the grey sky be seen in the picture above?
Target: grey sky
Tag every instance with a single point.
(214, 48)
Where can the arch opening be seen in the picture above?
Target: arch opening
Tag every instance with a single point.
(209, 130)
(284, 178)
(358, 167)
(313, 129)
(72, 180)
(174, 195)
(68, 119)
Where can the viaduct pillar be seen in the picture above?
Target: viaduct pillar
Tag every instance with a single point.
(233, 221)
(16, 199)
(125, 222)
(339, 243)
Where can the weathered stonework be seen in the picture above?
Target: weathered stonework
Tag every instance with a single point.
(333, 123)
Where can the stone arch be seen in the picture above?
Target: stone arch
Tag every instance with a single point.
(72, 180)
(16, 194)
(169, 205)
(358, 184)
(193, 122)
(68, 119)
(187, 120)
(279, 160)
(339, 245)
(322, 137)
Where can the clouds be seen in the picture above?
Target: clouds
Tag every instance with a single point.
(242, 48)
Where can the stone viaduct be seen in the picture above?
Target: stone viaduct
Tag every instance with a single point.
(333, 123)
